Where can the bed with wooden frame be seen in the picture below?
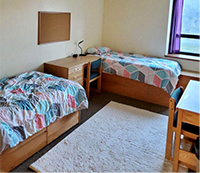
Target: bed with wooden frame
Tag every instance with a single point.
(141, 77)
(57, 125)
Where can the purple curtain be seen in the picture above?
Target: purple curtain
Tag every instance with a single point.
(175, 37)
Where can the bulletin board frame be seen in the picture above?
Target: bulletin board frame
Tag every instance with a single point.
(53, 27)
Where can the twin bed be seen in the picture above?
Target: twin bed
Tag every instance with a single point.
(36, 108)
(142, 77)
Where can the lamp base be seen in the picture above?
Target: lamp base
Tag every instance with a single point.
(82, 54)
(75, 55)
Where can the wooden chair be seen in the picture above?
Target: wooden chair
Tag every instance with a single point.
(188, 130)
(93, 72)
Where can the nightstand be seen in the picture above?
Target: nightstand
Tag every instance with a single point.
(69, 67)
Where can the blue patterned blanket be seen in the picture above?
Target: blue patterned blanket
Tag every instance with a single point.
(159, 72)
(33, 100)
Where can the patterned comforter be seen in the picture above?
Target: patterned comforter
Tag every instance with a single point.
(33, 100)
(159, 72)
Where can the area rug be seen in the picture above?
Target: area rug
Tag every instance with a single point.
(118, 138)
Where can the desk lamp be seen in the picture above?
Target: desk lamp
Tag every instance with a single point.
(81, 48)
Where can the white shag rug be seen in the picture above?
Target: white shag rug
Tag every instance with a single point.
(118, 138)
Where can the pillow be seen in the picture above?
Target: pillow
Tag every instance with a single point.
(98, 50)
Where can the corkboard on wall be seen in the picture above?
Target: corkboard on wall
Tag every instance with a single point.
(53, 27)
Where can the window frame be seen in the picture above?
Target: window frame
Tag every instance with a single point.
(172, 48)
(191, 36)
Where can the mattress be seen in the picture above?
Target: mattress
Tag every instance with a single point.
(158, 72)
(31, 101)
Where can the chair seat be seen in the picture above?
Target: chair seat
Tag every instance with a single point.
(187, 127)
(92, 75)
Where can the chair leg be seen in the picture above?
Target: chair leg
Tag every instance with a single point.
(87, 89)
(170, 130)
(168, 153)
(99, 85)
(177, 142)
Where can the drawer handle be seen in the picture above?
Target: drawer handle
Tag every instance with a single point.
(75, 77)
(76, 69)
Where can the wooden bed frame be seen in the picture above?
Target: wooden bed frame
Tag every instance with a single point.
(142, 91)
(134, 89)
(12, 157)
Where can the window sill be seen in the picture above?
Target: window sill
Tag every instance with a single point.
(192, 74)
(183, 57)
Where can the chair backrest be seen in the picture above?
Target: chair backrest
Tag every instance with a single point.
(95, 64)
(176, 95)
(173, 101)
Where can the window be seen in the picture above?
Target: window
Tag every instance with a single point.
(185, 28)
(190, 30)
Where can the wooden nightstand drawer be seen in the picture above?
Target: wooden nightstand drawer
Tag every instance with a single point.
(80, 81)
(76, 75)
(75, 69)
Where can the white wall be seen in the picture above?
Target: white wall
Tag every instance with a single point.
(139, 26)
(19, 51)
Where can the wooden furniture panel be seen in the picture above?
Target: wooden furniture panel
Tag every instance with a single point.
(188, 111)
(61, 126)
(76, 76)
(75, 69)
(141, 91)
(188, 159)
(70, 62)
(190, 99)
(53, 27)
(69, 68)
(186, 76)
(80, 81)
(190, 118)
(134, 89)
(56, 70)
(171, 130)
(12, 157)
(191, 135)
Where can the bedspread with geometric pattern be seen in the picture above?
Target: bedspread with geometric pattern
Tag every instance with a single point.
(31, 101)
(159, 72)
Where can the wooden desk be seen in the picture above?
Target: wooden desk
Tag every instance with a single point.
(69, 68)
(188, 112)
